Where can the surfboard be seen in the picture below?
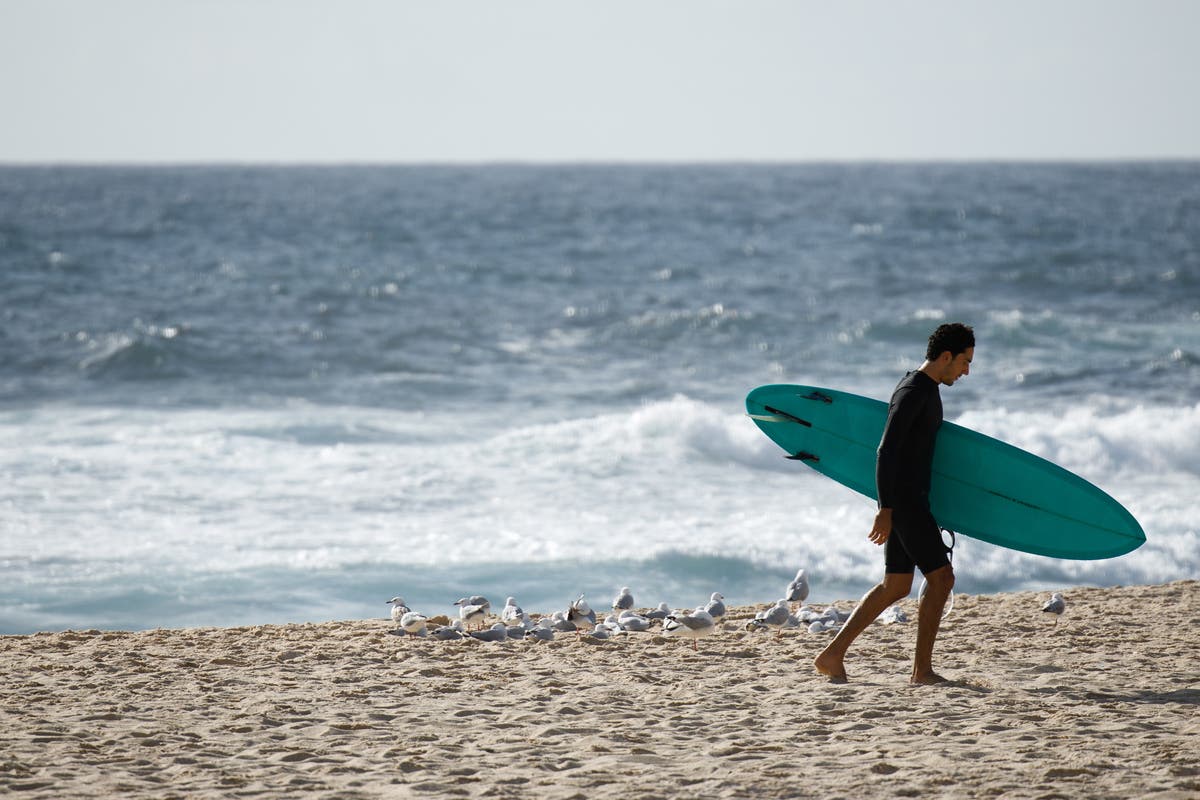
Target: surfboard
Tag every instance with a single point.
(981, 487)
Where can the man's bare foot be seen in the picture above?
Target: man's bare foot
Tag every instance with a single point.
(929, 678)
(831, 667)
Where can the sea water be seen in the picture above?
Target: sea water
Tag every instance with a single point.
(241, 395)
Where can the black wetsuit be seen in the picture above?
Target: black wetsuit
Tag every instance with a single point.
(903, 467)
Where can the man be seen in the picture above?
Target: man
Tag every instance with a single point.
(904, 525)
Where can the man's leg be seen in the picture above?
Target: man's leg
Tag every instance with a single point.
(895, 587)
(939, 582)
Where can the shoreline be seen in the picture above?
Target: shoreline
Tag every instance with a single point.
(1104, 703)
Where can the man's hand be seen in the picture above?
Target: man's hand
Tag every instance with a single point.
(882, 528)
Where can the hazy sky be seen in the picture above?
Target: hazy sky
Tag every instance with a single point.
(682, 80)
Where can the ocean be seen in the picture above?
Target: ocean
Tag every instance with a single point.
(237, 395)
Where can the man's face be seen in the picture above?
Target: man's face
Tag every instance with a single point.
(959, 365)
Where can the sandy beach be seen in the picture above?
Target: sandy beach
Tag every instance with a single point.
(1102, 704)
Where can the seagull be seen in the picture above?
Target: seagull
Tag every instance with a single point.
(690, 626)
(834, 616)
(582, 605)
(633, 621)
(448, 633)
(558, 621)
(774, 617)
(599, 632)
(659, 613)
(797, 590)
(512, 614)
(623, 601)
(580, 615)
(471, 613)
(823, 623)
(543, 631)
(1055, 605)
(398, 608)
(413, 623)
(716, 607)
(496, 633)
(474, 600)
(828, 620)
(807, 614)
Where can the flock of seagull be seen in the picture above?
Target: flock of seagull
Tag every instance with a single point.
(579, 618)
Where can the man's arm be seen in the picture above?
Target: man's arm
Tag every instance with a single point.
(905, 407)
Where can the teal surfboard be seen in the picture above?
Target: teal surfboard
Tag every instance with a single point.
(981, 487)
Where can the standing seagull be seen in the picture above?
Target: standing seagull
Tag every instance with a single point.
(475, 600)
(797, 590)
(774, 617)
(689, 626)
(623, 601)
(1055, 605)
(471, 613)
(580, 615)
(398, 609)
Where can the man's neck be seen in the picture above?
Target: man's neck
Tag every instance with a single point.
(932, 371)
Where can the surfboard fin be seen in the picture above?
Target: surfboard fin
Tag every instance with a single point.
(788, 417)
(815, 395)
(767, 418)
(803, 456)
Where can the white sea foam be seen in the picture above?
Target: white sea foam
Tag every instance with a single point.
(204, 490)
(1102, 437)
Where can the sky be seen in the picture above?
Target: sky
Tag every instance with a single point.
(372, 81)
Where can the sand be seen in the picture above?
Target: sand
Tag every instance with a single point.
(1103, 704)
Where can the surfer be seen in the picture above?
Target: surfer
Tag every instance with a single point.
(904, 525)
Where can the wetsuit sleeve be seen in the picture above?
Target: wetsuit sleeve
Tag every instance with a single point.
(905, 408)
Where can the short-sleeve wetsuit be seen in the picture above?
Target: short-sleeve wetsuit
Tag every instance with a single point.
(903, 468)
